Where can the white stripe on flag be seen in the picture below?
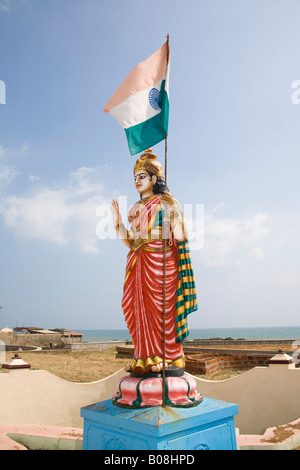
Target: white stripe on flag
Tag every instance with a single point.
(136, 109)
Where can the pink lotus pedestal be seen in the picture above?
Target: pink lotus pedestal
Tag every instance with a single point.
(144, 391)
(136, 420)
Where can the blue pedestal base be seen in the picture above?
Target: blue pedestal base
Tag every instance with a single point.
(208, 426)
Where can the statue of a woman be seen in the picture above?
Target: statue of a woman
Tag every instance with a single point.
(155, 217)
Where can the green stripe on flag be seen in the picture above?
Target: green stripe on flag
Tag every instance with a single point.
(150, 132)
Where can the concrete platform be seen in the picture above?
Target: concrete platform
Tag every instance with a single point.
(37, 437)
(54, 437)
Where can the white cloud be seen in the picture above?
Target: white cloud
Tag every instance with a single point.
(3, 151)
(229, 240)
(63, 215)
(7, 174)
(5, 5)
(7, 171)
(258, 252)
(67, 214)
(84, 181)
(34, 178)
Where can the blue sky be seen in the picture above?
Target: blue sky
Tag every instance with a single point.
(233, 149)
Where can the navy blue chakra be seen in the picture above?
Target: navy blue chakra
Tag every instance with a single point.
(153, 98)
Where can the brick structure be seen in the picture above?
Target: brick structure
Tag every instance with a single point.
(203, 361)
(210, 363)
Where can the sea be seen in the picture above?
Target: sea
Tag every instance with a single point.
(250, 333)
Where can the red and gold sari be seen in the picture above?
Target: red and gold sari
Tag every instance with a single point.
(143, 294)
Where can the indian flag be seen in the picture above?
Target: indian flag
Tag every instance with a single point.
(141, 103)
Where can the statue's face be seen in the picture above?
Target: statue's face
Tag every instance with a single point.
(143, 183)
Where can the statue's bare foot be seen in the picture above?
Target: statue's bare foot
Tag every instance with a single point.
(127, 367)
(158, 367)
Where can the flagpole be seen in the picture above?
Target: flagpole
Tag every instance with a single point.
(165, 262)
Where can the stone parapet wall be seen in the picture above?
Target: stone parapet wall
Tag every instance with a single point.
(266, 396)
(7, 338)
(18, 347)
(99, 346)
(226, 342)
(40, 340)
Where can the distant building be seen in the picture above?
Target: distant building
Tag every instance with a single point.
(52, 338)
(69, 336)
(6, 335)
(32, 330)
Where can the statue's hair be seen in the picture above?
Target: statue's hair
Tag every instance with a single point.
(160, 185)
